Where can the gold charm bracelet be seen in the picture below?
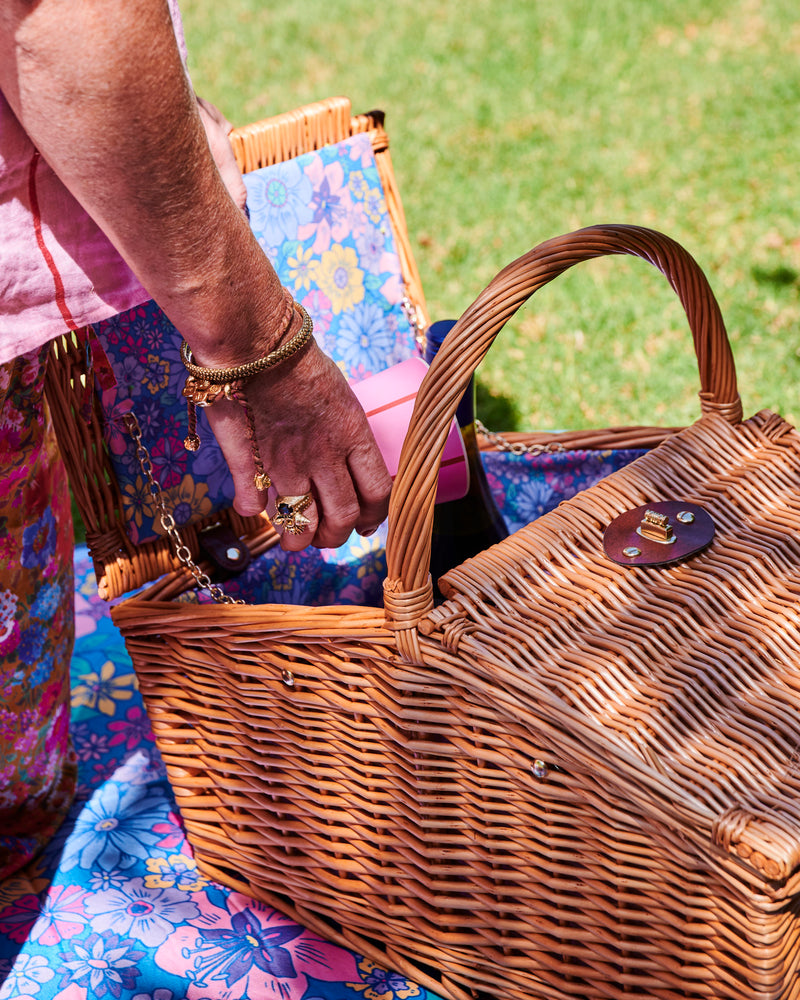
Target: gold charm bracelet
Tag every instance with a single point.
(206, 386)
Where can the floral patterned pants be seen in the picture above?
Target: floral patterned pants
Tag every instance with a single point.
(37, 772)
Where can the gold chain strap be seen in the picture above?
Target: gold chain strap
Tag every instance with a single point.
(517, 448)
(180, 548)
(414, 321)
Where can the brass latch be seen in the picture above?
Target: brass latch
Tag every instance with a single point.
(656, 527)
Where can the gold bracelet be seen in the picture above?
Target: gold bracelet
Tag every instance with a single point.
(205, 386)
(224, 376)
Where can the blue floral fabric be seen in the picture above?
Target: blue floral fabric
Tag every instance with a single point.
(115, 907)
(322, 220)
(527, 486)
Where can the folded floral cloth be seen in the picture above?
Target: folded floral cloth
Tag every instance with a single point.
(116, 907)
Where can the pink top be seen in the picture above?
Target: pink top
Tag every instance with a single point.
(58, 271)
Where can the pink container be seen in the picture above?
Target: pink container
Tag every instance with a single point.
(388, 399)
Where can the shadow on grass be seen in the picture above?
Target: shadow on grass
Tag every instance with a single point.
(498, 412)
(780, 276)
(77, 524)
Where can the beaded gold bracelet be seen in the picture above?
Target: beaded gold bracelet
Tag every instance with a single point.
(206, 386)
(225, 376)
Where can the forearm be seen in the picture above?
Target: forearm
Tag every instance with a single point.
(99, 87)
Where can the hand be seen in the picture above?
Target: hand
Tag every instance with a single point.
(313, 437)
(218, 128)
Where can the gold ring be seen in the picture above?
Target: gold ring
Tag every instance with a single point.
(289, 513)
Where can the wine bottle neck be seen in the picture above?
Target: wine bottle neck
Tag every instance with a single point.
(434, 337)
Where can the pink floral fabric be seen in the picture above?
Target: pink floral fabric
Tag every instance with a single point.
(37, 772)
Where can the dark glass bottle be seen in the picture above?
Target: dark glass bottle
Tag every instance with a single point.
(462, 528)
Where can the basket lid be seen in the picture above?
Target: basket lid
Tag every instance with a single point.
(677, 682)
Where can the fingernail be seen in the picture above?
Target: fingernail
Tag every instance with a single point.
(366, 534)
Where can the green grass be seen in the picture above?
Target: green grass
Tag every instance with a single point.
(514, 122)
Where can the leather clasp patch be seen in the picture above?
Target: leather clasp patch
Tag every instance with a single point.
(656, 534)
(224, 549)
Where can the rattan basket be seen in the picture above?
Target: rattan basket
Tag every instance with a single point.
(571, 779)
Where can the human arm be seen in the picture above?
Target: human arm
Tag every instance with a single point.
(100, 88)
(218, 129)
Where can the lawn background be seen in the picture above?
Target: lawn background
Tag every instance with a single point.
(512, 121)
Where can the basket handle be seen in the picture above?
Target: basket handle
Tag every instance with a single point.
(408, 592)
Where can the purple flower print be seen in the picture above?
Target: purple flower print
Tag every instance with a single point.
(230, 954)
(378, 984)
(371, 246)
(132, 730)
(240, 948)
(169, 461)
(39, 541)
(101, 965)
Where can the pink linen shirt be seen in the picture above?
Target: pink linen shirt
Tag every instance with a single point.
(58, 271)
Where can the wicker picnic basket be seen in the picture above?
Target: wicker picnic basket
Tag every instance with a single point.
(573, 778)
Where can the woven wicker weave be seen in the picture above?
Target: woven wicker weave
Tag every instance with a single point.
(571, 779)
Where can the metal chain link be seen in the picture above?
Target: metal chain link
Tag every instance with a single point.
(180, 548)
(517, 448)
(416, 324)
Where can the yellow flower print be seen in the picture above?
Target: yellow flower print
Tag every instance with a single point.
(368, 553)
(374, 205)
(358, 184)
(187, 502)
(138, 502)
(340, 277)
(156, 375)
(100, 691)
(302, 268)
(175, 872)
(282, 576)
(88, 587)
